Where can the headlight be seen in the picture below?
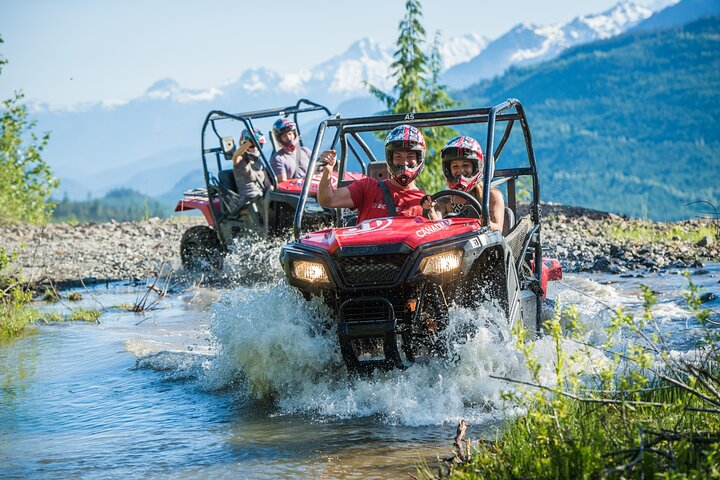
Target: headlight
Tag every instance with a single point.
(312, 272)
(441, 263)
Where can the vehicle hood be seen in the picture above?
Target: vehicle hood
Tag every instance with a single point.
(295, 185)
(412, 231)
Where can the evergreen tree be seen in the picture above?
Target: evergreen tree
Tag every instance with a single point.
(418, 89)
(26, 181)
(437, 99)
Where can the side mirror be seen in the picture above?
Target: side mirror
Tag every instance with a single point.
(228, 147)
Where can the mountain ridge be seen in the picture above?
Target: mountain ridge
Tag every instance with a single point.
(599, 145)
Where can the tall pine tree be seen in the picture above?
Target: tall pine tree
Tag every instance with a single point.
(418, 89)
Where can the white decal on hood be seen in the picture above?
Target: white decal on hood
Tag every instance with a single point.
(425, 231)
(369, 226)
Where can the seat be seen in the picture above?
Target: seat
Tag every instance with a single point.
(377, 170)
(226, 178)
(509, 221)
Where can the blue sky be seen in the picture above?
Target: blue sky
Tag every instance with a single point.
(70, 51)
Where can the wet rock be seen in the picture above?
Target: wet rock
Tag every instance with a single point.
(706, 241)
(602, 264)
(702, 271)
(126, 250)
(707, 297)
(616, 269)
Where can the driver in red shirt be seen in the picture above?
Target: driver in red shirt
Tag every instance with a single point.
(405, 157)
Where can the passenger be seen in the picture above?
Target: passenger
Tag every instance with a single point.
(405, 158)
(250, 178)
(248, 171)
(462, 162)
(289, 161)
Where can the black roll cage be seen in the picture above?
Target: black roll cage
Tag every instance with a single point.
(508, 112)
(302, 106)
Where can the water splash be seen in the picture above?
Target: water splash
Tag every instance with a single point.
(285, 351)
(253, 260)
(272, 346)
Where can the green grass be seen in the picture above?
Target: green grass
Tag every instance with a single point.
(15, 315)
(648, 232)
(15, 298)
(75, 315)
(589, 440)
(13, 319)
(75, 296)
(623, 418)
(84, 315)
(52, 317)
(50, 295)
(124, 306)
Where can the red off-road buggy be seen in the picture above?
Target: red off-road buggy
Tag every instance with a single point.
(203, 247)
(390, 281)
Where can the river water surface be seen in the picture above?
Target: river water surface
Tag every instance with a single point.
(242, 382)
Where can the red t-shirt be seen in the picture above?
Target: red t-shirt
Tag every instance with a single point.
(370, 202)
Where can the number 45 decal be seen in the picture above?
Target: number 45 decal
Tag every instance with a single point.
(410, 116)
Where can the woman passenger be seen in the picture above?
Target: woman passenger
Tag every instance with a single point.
(462, 162)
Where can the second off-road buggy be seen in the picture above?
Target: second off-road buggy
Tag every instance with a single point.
(390, 281)
(203, 247)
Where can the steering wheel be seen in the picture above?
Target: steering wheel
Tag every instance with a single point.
(475, 207)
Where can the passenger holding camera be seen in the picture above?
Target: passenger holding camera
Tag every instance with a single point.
(248, 171)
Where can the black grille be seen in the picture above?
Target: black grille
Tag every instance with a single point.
(367, 310)
(371, 269)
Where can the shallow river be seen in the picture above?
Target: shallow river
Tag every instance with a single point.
(239, 382)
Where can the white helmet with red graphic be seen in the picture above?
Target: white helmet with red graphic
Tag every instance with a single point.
(405, 138)
(462, 148)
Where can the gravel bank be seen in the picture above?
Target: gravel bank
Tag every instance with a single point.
(65, 254)
(582, 239)
(588, 240)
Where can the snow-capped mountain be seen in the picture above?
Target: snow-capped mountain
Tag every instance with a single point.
(165, 120)
(459, 49)
(466, 59)
(343, 76)
(527, 43)
(169, 89)
(679, 14)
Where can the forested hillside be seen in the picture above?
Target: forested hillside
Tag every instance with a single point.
(122, 204)
(626, 125)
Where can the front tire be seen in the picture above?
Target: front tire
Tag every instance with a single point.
(200, 250)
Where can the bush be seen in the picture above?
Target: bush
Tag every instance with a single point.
(26, 181)
(631, 410)
(15, 315)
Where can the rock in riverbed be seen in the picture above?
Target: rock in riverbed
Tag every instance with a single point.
(583, 240)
